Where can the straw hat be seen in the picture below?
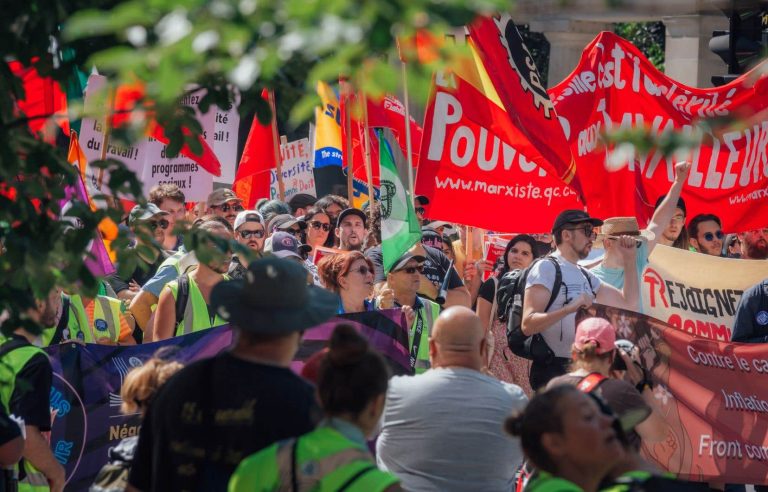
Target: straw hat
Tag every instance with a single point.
(622, 226)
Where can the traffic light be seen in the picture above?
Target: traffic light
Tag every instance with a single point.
(745, 41)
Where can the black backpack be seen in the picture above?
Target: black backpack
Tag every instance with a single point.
(509, 298)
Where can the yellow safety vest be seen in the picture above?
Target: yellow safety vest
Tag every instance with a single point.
(196, 317)
(425, 315)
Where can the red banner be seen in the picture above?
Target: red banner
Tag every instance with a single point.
(513, 73)
(712, 395)
(473, 171)
(614, 86)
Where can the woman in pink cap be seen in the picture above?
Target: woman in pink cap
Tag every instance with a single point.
(600, 367)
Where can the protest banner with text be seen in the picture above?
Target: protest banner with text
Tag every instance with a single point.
(615, 87)
(697, 293)
(298, 177)
(713, 396)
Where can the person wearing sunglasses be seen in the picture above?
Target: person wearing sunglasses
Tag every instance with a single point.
(224, 203)
(318, 228)
(169, 198)
(350, 275)
(705, 234)
(553, 317)
(404, 279)
(251, 233)
(148, 224)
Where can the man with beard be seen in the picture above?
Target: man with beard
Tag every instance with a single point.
(350, 229)
(224, 203)
(754, 244)
(250, 232)
(706, 234)
(552, 321)
(184, 304)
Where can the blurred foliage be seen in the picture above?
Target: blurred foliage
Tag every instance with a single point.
(649, 37)
(217, 47)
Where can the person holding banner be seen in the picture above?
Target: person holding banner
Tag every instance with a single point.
(184, 304)
(217, 411)
(351, 386)
(574, 232)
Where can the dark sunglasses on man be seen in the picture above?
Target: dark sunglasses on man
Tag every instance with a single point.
(709, 236)
(162, 224)
(587, 229)
(412, 270)
(249, 234)
(226, 207)
(637, 243)
(317, 225)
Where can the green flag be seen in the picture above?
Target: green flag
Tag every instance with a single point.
(400, 227)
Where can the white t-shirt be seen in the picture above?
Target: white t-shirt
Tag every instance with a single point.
(442, 431)
(560, 336)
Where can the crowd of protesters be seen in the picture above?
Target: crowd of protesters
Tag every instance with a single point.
(474, 416)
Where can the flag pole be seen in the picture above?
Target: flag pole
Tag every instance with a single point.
(408, 146)
(276, 145)
(345, 93)
(368, 155)
(107, 131)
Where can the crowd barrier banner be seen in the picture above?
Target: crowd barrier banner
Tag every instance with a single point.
(85, 397)
(697, 293)
(713, 396)
(615, 87)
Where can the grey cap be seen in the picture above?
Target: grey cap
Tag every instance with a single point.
(145, 212)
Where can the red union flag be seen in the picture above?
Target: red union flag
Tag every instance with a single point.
(615, 87)
(513, 73)
(475, 163)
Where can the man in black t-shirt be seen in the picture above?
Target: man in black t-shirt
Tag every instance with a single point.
(215, 412)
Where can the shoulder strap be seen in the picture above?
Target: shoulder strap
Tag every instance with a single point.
(590, 382)
(11, 345)
(589, 280)
(356, 476)
(558, 282)
(58, 335)
(182, 296)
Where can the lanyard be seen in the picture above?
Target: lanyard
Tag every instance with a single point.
(417, 338)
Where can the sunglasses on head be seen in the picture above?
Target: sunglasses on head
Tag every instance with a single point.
(162, 224)
(412, 270)
(226, 207)
(249, 234)
(316, 224)
(709, 236)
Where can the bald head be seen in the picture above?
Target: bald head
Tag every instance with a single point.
(458, 339)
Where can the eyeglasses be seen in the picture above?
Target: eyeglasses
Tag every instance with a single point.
(316, 224)
(588, 230)
(249, 234)
(162, 224)
(709, 237)
(363, 270)
(412, 270)
(420, 210)
(637, 243)
(226, 208)
(678, 219)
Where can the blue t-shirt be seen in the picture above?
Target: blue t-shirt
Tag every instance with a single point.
(615, 276)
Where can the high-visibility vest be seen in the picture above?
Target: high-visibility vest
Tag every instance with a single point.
(545, 482)
(13, 362)
(106, 320)
(196, 315)
(77, 322)
(322, 461)
(429, 313)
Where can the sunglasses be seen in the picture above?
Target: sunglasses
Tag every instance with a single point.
(363, 270)
(637, 243)
(295, 232)
(249, 234)
(588, 230)
(709, 236)
(227, 208)
(162, 224)
(412, 270)
(420, 210)
(316, 224)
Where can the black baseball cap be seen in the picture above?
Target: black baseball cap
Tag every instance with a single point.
(574, 217)
(352, 211)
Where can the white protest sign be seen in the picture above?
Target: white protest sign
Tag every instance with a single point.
(222, 138)
(298, 176)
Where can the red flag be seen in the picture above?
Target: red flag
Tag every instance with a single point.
(43, 100)
(253, 173)
(511, 70)
(126, 103)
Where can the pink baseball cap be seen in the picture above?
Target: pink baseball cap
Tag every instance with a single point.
(597, 330)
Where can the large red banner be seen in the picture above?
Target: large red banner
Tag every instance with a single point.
(615, 87)
(472, 169)
(712, 395)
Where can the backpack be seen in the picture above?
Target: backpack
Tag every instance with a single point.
(509, 297)
(182, 296)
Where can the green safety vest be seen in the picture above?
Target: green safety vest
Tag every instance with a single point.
(545, 482)
(324, 461)
(105, 322)
(428, 314)
(196, 317)
(13, 362)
